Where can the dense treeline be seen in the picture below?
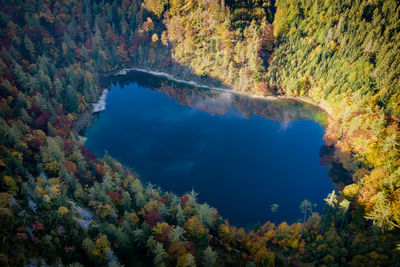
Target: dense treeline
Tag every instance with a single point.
(59, 204)
(232, 45)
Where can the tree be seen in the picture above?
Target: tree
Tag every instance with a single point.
(63, 210)
(305, 206)
(381, 215)
(210, 257)
(177, 233)
(101, 246)
(71, 100)
(164, 38)
(11, 185)
(156, 6)
(29, 47)
(179, 216)
(194, 227)
(158, 251)
(126, 200)
(331, 199)
(205, 214)
(186, 260)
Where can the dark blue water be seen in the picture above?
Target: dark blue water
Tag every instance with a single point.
(240, 162)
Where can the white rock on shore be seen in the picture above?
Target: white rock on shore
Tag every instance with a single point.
(101, 104)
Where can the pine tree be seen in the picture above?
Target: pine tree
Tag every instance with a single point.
(210, 257)
(71, 100)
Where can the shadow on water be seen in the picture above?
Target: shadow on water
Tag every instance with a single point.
(219, 102)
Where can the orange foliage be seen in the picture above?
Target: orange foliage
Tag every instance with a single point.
(71, 166)
(194, 227)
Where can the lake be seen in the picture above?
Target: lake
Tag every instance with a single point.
(241, 154)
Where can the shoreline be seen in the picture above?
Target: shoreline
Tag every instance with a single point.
(101, 103)
(125, 71)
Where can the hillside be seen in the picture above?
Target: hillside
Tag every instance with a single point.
(59, 204)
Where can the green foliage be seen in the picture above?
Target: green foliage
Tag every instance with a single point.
(61, 205)
(210, 257)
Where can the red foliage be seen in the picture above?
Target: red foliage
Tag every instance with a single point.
(59, 29)
(36, 109)
(35, 35)
(22, 236)
(5, 108)
(189, 246)
(100, 170)
(46, 35)
(62, 122)
(165, 232)
(37, 227)
(164, 200)
(116, 197)
(68, 146)
(111, 36)
(89, 44)
(9, 76)
(153, 217)
(71, 166)
(86, 153)
(41, 121)
(34, 142)
(25, 63)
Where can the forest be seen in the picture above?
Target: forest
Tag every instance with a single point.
(61, 205)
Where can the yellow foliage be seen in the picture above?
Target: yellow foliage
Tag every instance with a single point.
(186, 260)
(47, 198)
(395, 206)
(160, 228)
(5, 204)
(54, 190)
(17, 155)
(102, 210)
(155, 6)
(194, 227)
(11, 184)
(280, 23)
(150, 206)
(134, 217)
(333, 46)
(79, 193)
(351, 190)
(294, 244)
(62, 210)
(39, 190)
(70, 117)
(154, 38)
(5, 199)
(51, 167)
(101, 246)
(264, 257)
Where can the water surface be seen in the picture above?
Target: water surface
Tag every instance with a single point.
(240, 154)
